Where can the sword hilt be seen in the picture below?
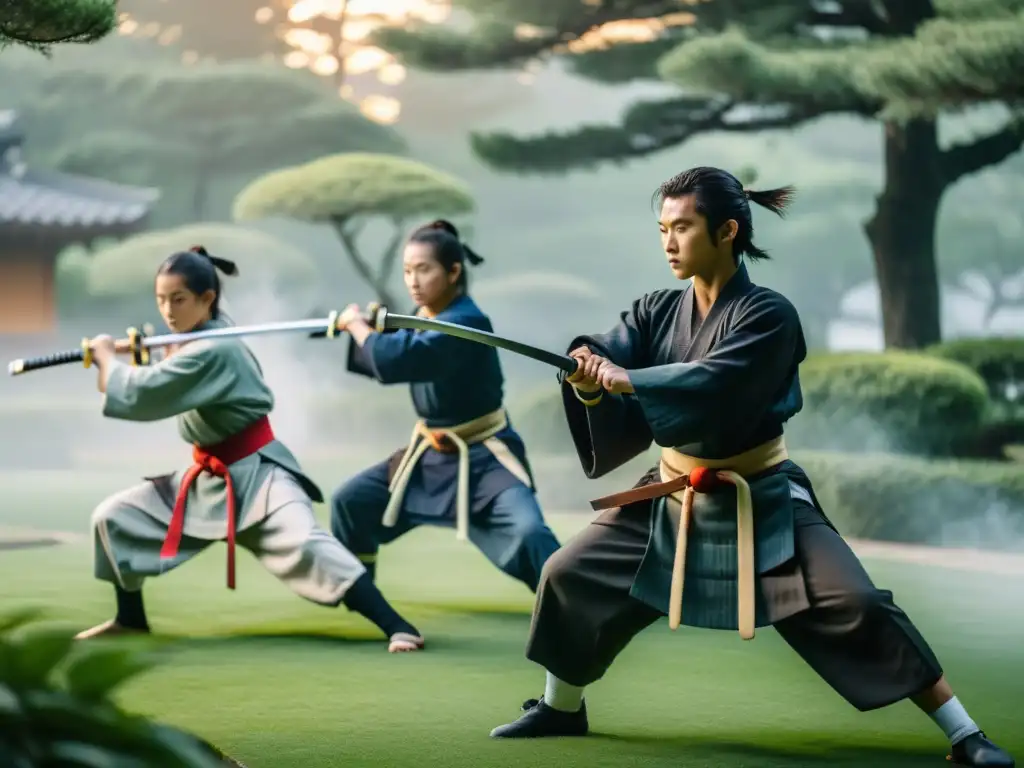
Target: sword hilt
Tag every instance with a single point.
(331, 331)
(133, 346)
(81, 355)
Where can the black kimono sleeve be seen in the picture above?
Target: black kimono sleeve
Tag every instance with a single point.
(614, 431)
(730, 389)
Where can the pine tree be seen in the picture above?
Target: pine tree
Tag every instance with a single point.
(901, 62)
(39, 24)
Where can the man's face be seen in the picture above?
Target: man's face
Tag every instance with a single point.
(686, 240)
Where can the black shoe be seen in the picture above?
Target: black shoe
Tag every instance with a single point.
(539, 720)
(979, 752)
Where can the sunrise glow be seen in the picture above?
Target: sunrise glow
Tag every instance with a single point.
(331, 39)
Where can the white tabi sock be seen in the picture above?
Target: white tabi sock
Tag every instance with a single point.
(559, 695)
(954, 721)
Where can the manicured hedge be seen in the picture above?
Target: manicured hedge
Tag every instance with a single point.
(900, 402)
(914, 500)
(998, 360)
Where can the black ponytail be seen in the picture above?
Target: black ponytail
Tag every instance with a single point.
(719, 197)
(448, 248)
(199, 270)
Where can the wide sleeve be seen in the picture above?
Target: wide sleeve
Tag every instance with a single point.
(357, 361)
(407, 357)
(189, 379)
(730, 389)
(614, 431)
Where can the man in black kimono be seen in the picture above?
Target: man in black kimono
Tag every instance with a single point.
(709, 373)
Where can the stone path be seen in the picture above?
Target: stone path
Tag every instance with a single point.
(985, 561)
(29, 538)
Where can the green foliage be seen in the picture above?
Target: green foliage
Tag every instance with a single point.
(125, 157)
(38, 24)
(815, 77)
(346, 191)
(236, 115)
(127, 269)
(900, 402)
(948, 62)
(56, 705)
(1000, 363)
(342, 187)
(911, 62)
(191, 125)
(903, 61)
(914, 500)
(998, 360)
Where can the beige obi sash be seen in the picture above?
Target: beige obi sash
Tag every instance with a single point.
(675, 466)
(461, 436)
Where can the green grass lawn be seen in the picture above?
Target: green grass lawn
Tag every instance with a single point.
(280, 683)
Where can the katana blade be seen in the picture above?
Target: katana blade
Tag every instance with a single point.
(388, 321)
(326, 326)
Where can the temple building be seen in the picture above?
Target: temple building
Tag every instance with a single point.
(41, 213)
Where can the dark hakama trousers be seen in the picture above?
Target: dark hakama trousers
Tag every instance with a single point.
(853, 635)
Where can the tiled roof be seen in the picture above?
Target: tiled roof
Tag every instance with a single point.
(44, 198)
(33, 197)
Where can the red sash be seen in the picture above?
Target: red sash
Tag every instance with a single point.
(216, 459)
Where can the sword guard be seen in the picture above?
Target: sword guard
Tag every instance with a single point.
(139, 353)
(379, 320)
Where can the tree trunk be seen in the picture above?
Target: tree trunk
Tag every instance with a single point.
(902, 235)
(348, 240)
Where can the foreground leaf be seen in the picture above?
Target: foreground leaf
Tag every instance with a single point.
(10, 707)
(94, 674)
(34, 654)
(18, 618)
(76, 754)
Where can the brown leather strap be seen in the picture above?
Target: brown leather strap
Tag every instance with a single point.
(642, 493)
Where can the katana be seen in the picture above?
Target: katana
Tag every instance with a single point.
(385, 321)
(138, 344)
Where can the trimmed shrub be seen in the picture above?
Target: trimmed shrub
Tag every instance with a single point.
(913, 500)
(897, 402)
(1000, 363)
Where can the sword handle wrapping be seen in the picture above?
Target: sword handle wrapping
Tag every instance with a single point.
(18, 367)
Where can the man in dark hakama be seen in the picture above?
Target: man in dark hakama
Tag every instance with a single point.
(710, 374)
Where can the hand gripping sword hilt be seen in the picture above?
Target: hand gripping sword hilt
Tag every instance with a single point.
(331, 331)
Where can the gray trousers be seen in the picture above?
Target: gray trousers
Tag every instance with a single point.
(853, 635)
(129, 529)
